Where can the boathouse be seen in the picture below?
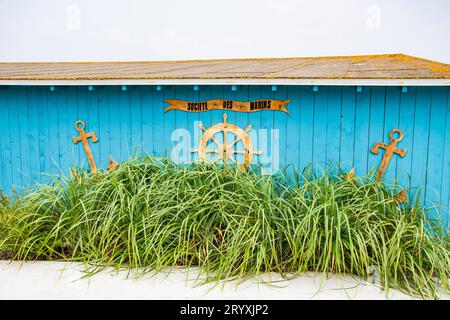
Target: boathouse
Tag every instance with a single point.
(389, 113)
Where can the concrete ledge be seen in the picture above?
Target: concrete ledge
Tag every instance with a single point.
(60, 280)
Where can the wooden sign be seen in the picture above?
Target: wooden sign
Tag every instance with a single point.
(222, 104)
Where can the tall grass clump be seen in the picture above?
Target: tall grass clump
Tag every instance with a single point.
(150, 214)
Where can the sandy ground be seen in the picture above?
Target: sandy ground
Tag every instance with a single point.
(60, 280)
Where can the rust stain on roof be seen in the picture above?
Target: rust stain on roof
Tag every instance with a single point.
(387, 66)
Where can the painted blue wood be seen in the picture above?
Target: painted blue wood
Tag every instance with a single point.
(205, 118)
(136, 121)
(293, 128)
(192, 118)
(362, 127)
(183, 121)
(332, 124)
(406, 124)
(24, 138)
(280, 124)
(115, 137)
(107, 97)
(94, 124)
(63, 130)
(306, 127)
(391, 121)
(125, 124)
(376, 126)
(147, 119)
(33, 134)
(320, 129)
(44, 135)
(445, 183)
(14, 129)
(347, 129)
(5, 143)
(436, 139)
(268, 134)
(169, 121)
(254, 118)
(158, 106)
(420, 141)
(242, 119)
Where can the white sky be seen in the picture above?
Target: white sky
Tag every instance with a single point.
(104, 30)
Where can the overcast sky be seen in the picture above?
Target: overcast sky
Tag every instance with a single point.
(105, 30)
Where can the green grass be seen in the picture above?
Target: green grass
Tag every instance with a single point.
(152, 214)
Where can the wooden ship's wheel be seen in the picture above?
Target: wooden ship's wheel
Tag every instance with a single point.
(211, 150)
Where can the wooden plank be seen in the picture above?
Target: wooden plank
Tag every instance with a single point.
(33, 134)
(293, 128)
(53, 129)
(347, 129)
(205, 93)
(44, 135)
(306, 128)
(254, 119)
(215, 116)
(269, 147)
(436, 144)
(147, 119)
(5, 142)
(406, 124)
(63, 130)
(333, 123)
(226, 92)
(158, 106)
(362, 147)
(74, 112)
(125, 124)
(183, 121)
(169, 120)
(192, 94)
(376, 126)
(320, 129)
(108, 97)
(391, 121)
(242, 120)
(92, 112)
(280, 123)
(420, 144)
(14, 129)
(82, 113)
(136, 121)
(23, 117)
(445, 178)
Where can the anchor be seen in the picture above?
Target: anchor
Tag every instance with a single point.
(84, 140)
(390, 150)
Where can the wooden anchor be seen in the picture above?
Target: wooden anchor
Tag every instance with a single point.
(391, 148)
(80, 126)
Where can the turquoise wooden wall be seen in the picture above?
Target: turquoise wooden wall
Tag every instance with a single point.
(334, 123)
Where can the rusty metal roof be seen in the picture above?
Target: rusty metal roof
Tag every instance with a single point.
(387, 66)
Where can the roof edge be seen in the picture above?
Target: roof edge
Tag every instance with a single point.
(218, 81)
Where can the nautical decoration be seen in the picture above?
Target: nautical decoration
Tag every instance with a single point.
(349, 176)
(401, 197)
(111, 163)
(80, 126)
(225, 151)
(391, 148)
(221, 104)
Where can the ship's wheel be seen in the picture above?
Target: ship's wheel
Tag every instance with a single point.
(210, 149)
